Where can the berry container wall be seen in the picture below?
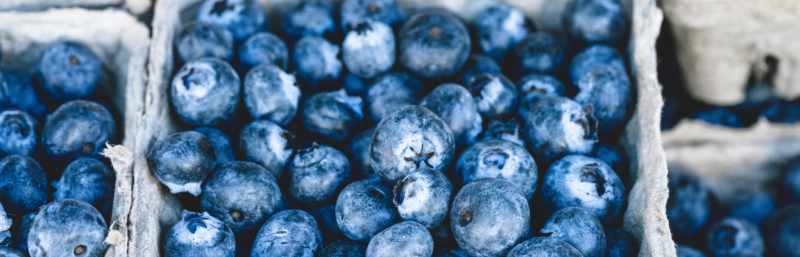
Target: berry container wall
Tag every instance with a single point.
(134, 6)
(155, 210)
(121, 43)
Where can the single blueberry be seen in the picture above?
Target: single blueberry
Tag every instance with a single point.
(498, 159)
(17, 133)
(267, 144)
(243, 195)
(620, 243)
(358, 154)
(734, 237)
(447, 252)
(365, 208)
(10, 252)
(326, 219)
(423, 196)
(344, 249)
(353, 12)
(223, 150)
(545, 246)
(317, 173)
(594, 21)
(586, 182)
(310, 18)
(495, 95)
(67, 227)
(608, 89)
(205, 92)
(557, 126)
(199, 234)
(476, 64)
(579, 228)
(498, 28)
(391, 92)
(333, 116)
(90, 181)
(288, 233)
(489, 217)
(754, 207)
(200, 39)
(719, 116)
(242, 18)
(263, 48)
(782, 232)
(455, 105)
(780, 111)
(433, 44)
(403, 239)
(68, 71)
(535, 87)
(593, 56)
(77, 129)
(182, 161)
(20, 239)
(688, 251)
(508, 131)
(271, 94)
(23, 185)
(539, 52)
(355, 85)
(5, 227)
(612, 155)
(316, 64)
(408, 139)
(17, 92)
(369, 49)
(688, 205)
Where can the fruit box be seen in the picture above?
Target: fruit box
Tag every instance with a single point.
(134, 6)
(154, 210)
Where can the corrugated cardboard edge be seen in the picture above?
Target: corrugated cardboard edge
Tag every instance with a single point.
(134, 6)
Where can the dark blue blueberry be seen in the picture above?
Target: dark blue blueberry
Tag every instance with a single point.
(263, 48)
(688, 205)
(499, 27)
(608, 89)
(535, 87)
(355, 85)
(317, 173)
(182, 161)
(498, 159)
(780, 111)
(782, 232)
(446, 252)
(67, 227)
(326, 220)
(201, 39)
(594, 21)
(358, 154)
(688, 251)
(271, 94)
(423, 197)
(267, 144)
(10, 252)
(288, 233)
(369, 49)
(23, 185)
(386, 11)
(17, 133)
(408, 139)
(403, 239)
(753, 207)
(476, 64)
(310, 18)
(391, 92)
(433, 44)
(68, 71)
(17, 92)
(455, 105)
(558, 126)
(242, 18)
(205, 92)
(620, 243)
(495, 95)
(316, 64)
(221, 143)
(579, 228)
(719, 116)
(593, 56)
(5, 227)
(508, 131)
(612, 155)
(345, 249)
(77, 129)
(365, 208)
(539, 52)
(489, 217)
(333, 116)
(734, 237)
(443, 234)
(199, 234)
(20, 240)
(243, 195)
(545, 246)
(790, 191)
(586, 182)
(90, 181)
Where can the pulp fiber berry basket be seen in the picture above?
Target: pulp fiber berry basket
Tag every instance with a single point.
(154, 210)
(121, 43)
(134, 6)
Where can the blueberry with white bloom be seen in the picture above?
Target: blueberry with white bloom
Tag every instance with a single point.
(499, 27)
(734, 237)
(263, 48)
(369, 49)
(495, 95)
(433, 44)
(608, 89)
(539, 52)
(199, 234)
(391, 92)
(594, 21)
(317, 173)
(579, 228)
(17, 92)
(288, 233)
(77, 129)
(242, 18)
(403, 239)
(423, 196)
(535, 87)
(17, 133)
(386, 11)
(586, 182)
(365, 208)
(67, 227)
(221, 142)
(23, 185)
(5, 227)
(200, 39)
(88, 180)
(455, 105)
(205, 92)
(498, 159)
(271, 94)
(316, 64)
(544, 245)
(592, 56)
(558, 126)
(508, 131)
(68, 71)
(182, 161)
(267, 144)
(333, 116)
(476, 64)
(310, 18)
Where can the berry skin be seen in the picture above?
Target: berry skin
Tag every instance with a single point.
(77, 129)
(17, 92)
(495, 95)
(365, 208)
(263, 48)
(612, 155)
(344, 249)
(357, 153)
(205, 92)
(508, 131)
(476, 64)
(719, 116)
(353, 12)
(688, 251)
(688, 205)
(267, 144)
(445, 252)
(579, 228)
(754, 207)
(182, 161)
(17, 133)
(316, 64)
(433, 44)
(199, 234)
(403, 239)
(545, 245)
(271, 94)
(355, 85)
(242, 18)
(221, 143)
(608, 89)
(369, 49)
(592, 56)
(68, 71)
(10, 252)
(88, 180)
(391, 92)
(326, 219)
(455, 105)
(734, 237)
(557, 126)
(782, 232)
(200, 39)
(333, 116)
(317, 173)
(5, 228)
(594, 21)
(539, 52)
(535, 87)
(310, 18)
(20, 240)
(288, 233)
(621, 243)
(23, 185)
(500, 27)
(423, 197)
(498, 159)
(67, 227)
(791, 182)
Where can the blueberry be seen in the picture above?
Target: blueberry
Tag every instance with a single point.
(10, 252)
(326, 219)
(288, 233)
(612, 155)
(263, 48)
(498, 159)
(408, 139)
(545, 246)
(20, 240)
(243, 195)
(365, 208)
(455, 105)
(620, 243)
(719, 116)
(579, 228)
(445, 252)
(344, 249)
(5, 227)
(17, 133)
(734, 237)
(333, 116)
(67, 227)
(499, 27)
(317, 173)
(316, 63)
(271, 94)
(182, 161)
(23, 185)
(780, 111)
(391, 92)
(495, 95)
(358, 154)
(593, 56)
(205, 92)
(201, 39)
(403, 239)
(355, 85)
(790, 190)
(310, 18)
(508, 131)
(223, 150)
(608, 89)
(539, 52)
(242, 18)
(68, 71)
(688, 205)
(586, 182)
(558, 126)
(77, 129)
(17, 92)
(267, 144)
(782, 232)
(385, 11)
(594, 21)
(433, 44)
(688, 251)
(423, 196)
(476, 64)
(199, 234)
(90, 181)
(369, 49)
(753, 207)
(535, 87)
(489, 216)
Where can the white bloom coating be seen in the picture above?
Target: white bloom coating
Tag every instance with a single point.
(369, 49)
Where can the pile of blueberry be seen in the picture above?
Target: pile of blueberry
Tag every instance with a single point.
(359, 130)
(56, 193)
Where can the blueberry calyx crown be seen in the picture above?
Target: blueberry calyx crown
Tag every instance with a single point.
(435, 31)
(588, 122)
(289, 140)
(363, 27)
(373, 8)
(304, 151)
(193, 221)
(16, 123)
(589, 174)
(220, 7)
(495, 157)
(376, 194)
(74, 60)
(466, 216)
(399, 191)
(478, 82)
(726, 236)
(420, 157)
